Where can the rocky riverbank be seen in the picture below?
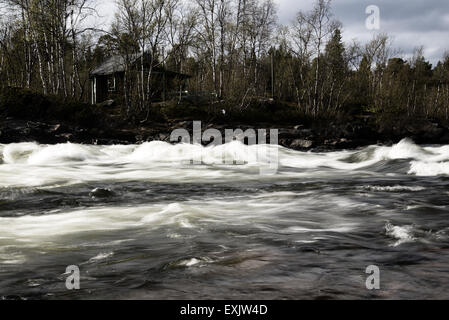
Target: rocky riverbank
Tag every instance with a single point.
(314, 137)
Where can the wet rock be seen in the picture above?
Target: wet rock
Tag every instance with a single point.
(291, 134)
(12, 297)
(432, 131)
(306, 132)
(101, 193)
(301, 143)
(139, 138)
(284, 142)
(66, 136)
(55, 128)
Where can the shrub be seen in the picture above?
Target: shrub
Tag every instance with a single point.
(22, 103)
(28, 105)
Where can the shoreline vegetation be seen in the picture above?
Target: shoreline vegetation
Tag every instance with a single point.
(26, 116)
(244, 69)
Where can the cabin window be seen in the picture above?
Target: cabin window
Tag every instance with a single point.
(111, 84)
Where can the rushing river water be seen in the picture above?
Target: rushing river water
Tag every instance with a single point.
(141, 223)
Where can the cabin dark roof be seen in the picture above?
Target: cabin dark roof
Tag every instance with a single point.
(111, 65)
(115, 64)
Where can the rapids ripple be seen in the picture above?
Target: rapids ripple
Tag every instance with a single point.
(142, 222)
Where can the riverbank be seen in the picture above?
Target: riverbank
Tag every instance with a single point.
(318, 136)
(26, 116)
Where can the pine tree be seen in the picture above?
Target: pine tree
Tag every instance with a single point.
(335, 56)
(336, 70)
(361, 92)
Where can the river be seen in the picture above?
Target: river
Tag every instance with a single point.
(141, 222)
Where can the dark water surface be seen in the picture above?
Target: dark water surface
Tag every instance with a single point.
(139, 224)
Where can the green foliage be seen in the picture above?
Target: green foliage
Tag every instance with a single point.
(335, 57)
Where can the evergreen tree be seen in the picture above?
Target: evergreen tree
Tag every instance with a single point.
(360, 89)
(335, 56)
(336, 70)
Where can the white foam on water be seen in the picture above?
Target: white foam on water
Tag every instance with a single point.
(426, 168)
(342, 228)
(101, 256)
(12, 258)
(255, 212)
(15, 193)
(18, 152)
(63, 153)
(189, 262)
(405, 149)
(34, 165)
(395, 188)
(194, 262)
(403, 234)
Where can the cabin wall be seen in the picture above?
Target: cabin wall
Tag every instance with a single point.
(163, 87)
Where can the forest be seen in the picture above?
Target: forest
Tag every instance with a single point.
(236, 51)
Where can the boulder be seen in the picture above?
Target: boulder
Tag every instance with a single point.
(301, 144)
(101, 193)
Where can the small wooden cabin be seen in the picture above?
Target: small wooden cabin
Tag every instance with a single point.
(107, 79)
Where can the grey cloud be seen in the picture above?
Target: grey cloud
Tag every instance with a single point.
(411, 23)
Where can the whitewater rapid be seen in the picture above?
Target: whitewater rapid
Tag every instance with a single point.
(32, 165)
(158, 220)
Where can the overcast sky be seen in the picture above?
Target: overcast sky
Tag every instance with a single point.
(411, 23)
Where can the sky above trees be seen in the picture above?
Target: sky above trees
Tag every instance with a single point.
(411, 23)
